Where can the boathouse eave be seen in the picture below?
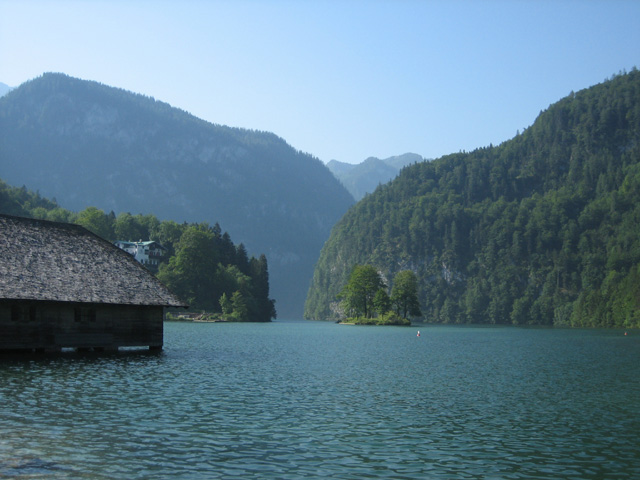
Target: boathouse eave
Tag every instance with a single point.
(86, 303)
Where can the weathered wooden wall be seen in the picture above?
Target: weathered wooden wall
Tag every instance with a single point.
(51, 326)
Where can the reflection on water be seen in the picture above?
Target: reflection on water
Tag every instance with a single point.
(319, 400)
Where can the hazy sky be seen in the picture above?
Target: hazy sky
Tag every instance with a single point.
(340, 79)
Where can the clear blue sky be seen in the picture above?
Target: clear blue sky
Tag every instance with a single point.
(340, 79)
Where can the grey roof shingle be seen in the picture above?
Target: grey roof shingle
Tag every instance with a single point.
(51, 261)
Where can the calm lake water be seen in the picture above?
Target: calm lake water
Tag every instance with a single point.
(291, 400)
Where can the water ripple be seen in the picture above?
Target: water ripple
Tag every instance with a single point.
(297, 400)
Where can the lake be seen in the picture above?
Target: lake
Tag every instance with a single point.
(289, 400)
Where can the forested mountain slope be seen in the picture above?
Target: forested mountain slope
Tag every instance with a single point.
(86, 144)
(543, 229)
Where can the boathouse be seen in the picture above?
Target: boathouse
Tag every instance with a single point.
(61, 286)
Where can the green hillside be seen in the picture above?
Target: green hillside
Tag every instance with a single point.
(542, 229)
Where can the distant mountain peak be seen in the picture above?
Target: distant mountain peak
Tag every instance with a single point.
(364, 177)
(4, 89)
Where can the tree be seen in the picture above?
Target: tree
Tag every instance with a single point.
(240, 307)
(168, 234)
(381, 302)
(226, 305)
(229, 279)
(149, 224)
(265, 307)
(404, 294)
(191, 272)
(242, 259)
(127, 228)
(357, 295)
(59, 214)
(96, 221)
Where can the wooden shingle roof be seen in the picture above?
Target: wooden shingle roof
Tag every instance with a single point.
(61, 262)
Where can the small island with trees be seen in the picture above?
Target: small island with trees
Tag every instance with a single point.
(365, 301)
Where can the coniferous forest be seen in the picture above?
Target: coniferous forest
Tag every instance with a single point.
(202, 266)
(543, 229)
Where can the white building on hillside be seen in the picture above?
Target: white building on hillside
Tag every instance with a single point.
(149, 253)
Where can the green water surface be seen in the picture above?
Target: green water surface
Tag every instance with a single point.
(290, 400)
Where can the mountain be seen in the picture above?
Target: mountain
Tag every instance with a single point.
(4, 89)
(364, 177)
(340, 169)
(86, 144)
(542, 229)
